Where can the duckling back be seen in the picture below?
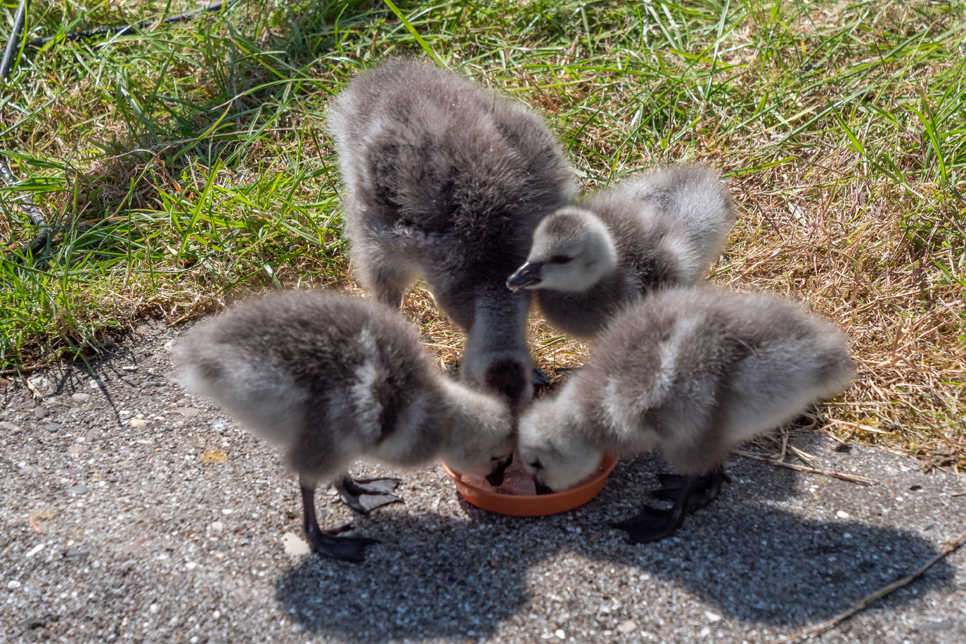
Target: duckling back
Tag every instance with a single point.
(323, 376)
(699, 370)
(666, 227)
(695, 204)
(440, 170)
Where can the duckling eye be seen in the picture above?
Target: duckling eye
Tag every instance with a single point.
(560, 259)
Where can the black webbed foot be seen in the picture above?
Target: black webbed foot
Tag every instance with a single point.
(325, 543)
(340, 548)
(706, 488)
(365, 495)
(651, 524)
(540, 378)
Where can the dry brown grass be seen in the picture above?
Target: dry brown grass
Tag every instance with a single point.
(837, 125)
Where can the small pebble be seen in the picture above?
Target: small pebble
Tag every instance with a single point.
(76, 553)
(944, 625)
(40, 382)
(294, 545)
(77, 489)
(13, 584)
(560, 633)
(842, 515)
(72, 471)
(151, 383)
(130, 368)
(187, 411)
(13, 428)
(53, 428)
(712, 617)
(628, 627)
(80, 397)
(40, 412)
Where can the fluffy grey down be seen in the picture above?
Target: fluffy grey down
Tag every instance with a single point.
(329, 379)
(447, 181)
(691, 371)
(660, 230)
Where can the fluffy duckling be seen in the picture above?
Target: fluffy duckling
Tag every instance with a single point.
(661, 230)
(692, 371)
(328, 379)
(447, 181)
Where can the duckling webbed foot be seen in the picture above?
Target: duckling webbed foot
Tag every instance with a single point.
(540, 378)
(324, 542)
(340, 548)
(653, 524)
(365, 495)
(706, 489)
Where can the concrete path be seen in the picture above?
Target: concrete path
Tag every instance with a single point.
(133, 512)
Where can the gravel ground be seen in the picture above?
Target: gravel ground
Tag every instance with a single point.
(132, 511)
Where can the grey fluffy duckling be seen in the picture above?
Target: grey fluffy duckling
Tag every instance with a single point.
(329, 379)
(447, 181)
(660, 230)
(693, 372)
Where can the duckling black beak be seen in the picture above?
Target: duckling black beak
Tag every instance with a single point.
(541, 488)
(496, 476)
(526, 275)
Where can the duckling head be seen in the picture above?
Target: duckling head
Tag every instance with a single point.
(572, 250)
(483, 433)
(552, 449)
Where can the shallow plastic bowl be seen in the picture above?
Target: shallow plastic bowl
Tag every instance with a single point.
(534, 505)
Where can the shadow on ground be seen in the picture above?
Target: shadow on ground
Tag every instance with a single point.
(440, 577)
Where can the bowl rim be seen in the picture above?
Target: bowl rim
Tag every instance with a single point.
(608, 460)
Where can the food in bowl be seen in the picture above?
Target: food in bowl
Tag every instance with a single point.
(517, 496)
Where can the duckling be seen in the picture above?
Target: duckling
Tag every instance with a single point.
(660, 230)
(447, 181)
(329, 379)
(694, 372)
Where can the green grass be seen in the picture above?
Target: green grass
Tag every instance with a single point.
(187, 164)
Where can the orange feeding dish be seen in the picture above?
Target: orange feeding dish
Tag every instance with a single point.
(517, 496)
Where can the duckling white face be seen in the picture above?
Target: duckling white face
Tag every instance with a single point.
(552, 449)
(572, 250)
(482, 439)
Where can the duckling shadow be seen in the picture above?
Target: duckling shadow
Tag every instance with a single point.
(446, 577)
(772, 567)
(762, 564)
(430, 577)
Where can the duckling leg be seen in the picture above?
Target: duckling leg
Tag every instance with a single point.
(653, 524)
(706, 490)
(365, 495)
(324, 542)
